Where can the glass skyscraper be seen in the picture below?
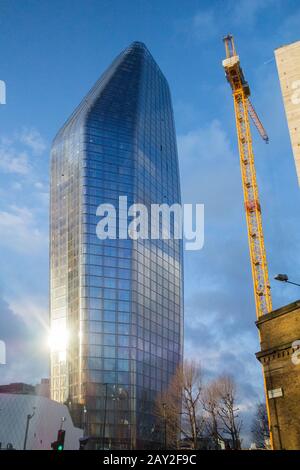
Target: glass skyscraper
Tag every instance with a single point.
(116, 304)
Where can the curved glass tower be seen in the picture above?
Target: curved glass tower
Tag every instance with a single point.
(116, 304)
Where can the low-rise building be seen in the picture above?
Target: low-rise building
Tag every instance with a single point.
(280, 358)
(47, 418)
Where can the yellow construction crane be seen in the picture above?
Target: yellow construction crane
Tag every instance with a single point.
(243, 109)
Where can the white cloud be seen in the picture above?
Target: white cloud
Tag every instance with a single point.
(12, 161)
(15, 152)
(33, 309)
(209, 170)
(288, 31)
(224, 17)
(25, 338)
(245, 12)
(17, 186)
(33, 139)
(19, 230)
(204, 25)
(211, 138)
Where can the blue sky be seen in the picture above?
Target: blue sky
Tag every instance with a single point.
(51, 54)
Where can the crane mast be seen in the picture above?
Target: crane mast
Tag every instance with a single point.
(243, 109)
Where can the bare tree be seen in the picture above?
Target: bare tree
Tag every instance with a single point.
(179, 407)
(260, 427)
(222, 419)
(190, 411)
(167, 411)
(228, 411)
(210, 403)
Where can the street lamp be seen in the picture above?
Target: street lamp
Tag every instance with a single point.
(84, 420)
(165, 419)
(29, 416)
(104, 420)
(119, 395)
(284, 278)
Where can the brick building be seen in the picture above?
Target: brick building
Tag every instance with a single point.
(280, 358)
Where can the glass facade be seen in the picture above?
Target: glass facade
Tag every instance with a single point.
(116, 305)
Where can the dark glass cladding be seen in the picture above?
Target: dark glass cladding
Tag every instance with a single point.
(119, 300)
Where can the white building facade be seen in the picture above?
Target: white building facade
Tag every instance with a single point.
(48, 417)
(288, 66)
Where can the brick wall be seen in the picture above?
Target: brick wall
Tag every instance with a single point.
(278, 330)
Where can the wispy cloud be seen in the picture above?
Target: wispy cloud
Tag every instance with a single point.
(246, 12)
(39, 185)
(202, 26)
(206, 156)
(16, 186)
(289, 28)
(16, 152)
(12, 161)
(33, 309)
(33, 139)
(222, 17)
(27, 354)
(19, 230)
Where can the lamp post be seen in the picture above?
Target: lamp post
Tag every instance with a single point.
(165, 423)
(104, 420)
(29, 416)
(84, 420)
(284, 278)
(119, 396)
